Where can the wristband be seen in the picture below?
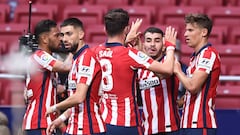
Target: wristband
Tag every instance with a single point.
(63, 117)
(170, 48)
(167, 44)
(54, 108)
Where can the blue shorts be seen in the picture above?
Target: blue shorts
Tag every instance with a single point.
(91, 134)
(37, 132)
(122, 130)
(198, 131)
(168, 133)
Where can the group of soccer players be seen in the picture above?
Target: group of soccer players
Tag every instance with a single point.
(103, 80)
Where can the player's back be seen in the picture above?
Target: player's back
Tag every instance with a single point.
(118, 65)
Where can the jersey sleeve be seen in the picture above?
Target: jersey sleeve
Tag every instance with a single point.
(86, 69)
(45, 60)
(142, 59)
(206, 61)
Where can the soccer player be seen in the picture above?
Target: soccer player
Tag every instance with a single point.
(159, 95)
(119, 70)
(42, 67)
(202, 78)
(83, 85)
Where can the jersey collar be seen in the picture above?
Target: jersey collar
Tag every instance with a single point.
(112, 44)
(80, 51)
(205, 46)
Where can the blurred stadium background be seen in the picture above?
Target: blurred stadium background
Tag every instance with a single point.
(225, 37)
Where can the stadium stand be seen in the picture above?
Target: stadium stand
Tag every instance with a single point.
(175, 14)
(137, 11)
(228, 16)
(89, 14)
(3, 48)
(61, 4)
(218, 35)
(157, 3)
(16, 88)
(10, 33)
(228, 97)
(232, 2)
(234, 36)
(4, 13)
(5, 96)
(204, 3)
(110, 3)
(39, 12)
(234, 70)
(95, 34)
(230, 53)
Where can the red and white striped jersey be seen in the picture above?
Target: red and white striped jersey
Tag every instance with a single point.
(40, 90)
(199, 109)
(85, 117)
(119, 66)
(160, 111)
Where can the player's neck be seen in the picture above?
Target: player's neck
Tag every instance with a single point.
(114, 39)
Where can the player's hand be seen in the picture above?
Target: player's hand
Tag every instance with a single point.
(134, 33)
(50, 110)
(25, 96)
(56, 123)
(170, 37)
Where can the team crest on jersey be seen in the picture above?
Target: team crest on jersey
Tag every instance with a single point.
(85, 70)
(142, 55)
(45, 57)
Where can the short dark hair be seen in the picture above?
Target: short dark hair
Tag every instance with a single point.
(201, 20)
(153, 30)
(44, 26)
(115, 21)
(75, 22)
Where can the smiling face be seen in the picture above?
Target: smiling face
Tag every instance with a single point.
(153, 44)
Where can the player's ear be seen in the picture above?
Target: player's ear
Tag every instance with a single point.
(81, 34)
(204, 32)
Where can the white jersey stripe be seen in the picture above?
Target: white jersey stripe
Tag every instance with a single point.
(80, 118)
(166, 106)
(196, 110)
(146, 124)
(29, 117)
(127, 112)
(154, 107)
(211, 114)
(186, 109)
(98, 117)
(105, 111)
(48, 99)
(114, 112)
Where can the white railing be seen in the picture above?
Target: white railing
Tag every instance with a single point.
(14, 76)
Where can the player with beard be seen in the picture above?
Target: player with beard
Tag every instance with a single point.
(41, 90)
(159, 95)
(83, 85)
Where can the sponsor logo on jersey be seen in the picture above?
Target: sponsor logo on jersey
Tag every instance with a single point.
(45, 57)
(85, 70)
(142, 55)
(72, 84)
(148, 83)
(204, 63)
